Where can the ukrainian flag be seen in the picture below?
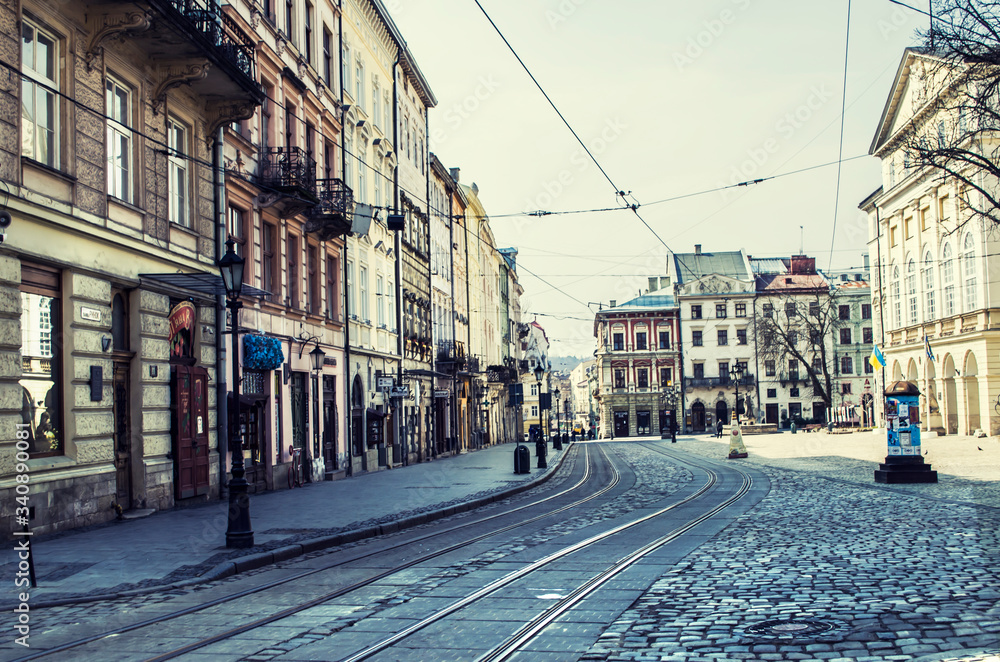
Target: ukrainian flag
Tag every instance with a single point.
(876, 359)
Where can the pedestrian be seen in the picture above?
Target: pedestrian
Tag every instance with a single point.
(718, 429)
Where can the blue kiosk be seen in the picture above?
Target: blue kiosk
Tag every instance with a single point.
(905, 461)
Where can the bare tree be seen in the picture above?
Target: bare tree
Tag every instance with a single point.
(956, 129)
(800, 327)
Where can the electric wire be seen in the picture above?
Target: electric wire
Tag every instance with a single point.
(840, 153)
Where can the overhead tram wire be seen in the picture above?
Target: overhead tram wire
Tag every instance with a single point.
(840, 153)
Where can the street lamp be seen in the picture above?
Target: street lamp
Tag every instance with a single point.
(669, 399)
(736, 372)
(557, 442)
(238, 533)
(540, 441)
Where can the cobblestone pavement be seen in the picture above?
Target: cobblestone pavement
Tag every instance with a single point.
(829, 566)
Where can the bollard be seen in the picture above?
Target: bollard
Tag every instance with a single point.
(540, 453)
(522, 460)
(793, 427)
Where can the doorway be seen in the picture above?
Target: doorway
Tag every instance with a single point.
(698, 417)
(300, 418)
(123, 436)
(330, 423)
(621, 423)
(771, 413)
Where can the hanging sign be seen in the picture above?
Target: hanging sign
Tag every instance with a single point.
(181, 324)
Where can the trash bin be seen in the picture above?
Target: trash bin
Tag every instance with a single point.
(556, 443)
(793, 427)
(522, 460)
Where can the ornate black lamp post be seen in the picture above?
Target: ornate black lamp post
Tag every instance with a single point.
(669, 399)
(540, 441)
(238, 534)
(736, 372)
(557, 442)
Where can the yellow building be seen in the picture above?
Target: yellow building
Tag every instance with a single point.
(931, 270)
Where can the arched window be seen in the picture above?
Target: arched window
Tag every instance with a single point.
(928, 277)
(911, 290)
(895, 297)
(969, 272)
(948, 279)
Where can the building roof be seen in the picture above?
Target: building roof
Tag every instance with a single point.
(769, 265)
(646, 302)
(790, 282)
(692, 266)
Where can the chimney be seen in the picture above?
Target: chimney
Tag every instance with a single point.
(653, 281)
(801, 264)
(697, 249)
(455, 173)
(612, 303)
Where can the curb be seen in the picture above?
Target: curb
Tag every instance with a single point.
(262, 559)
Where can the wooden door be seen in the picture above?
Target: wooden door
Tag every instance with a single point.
(771, 413)
(123, 436)
(300, 418)
(190, 438)
(330, 422)
(621, 423)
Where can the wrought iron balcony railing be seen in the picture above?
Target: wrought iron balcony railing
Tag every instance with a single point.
(220, 31)
(332, 216)
(717, 382)
(289, 170)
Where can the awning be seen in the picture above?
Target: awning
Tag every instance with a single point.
(248, 399)
(374, 413)
(201, 282)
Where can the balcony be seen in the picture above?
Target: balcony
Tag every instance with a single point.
(450, 355)
(186, 41)
(288, 175)
(717, 382)
(792, 377)
(333, 215)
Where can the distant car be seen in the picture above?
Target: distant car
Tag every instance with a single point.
(578, 429)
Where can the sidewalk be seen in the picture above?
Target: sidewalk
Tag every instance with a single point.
(188, 545)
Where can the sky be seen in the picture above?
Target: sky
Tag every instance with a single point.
(675, 100)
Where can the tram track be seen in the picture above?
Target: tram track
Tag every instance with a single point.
(588, 476)
(530, 629)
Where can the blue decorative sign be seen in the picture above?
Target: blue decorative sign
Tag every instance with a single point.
(261, 352)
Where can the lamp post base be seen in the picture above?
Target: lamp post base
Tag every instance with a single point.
(239, 535)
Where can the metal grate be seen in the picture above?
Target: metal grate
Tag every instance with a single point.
(793, 628)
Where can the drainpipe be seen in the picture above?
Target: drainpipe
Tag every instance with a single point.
(454, 330)
(398, 244)
(432, 418)
(222, 387)
(348, 427)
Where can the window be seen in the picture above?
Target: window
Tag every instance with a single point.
(772, 392)
(39, 106)
(696, 338)
(332, 291)
(948, 279)
(699, 370)
(928, 282)
(380, 301)
(869, 368)
(359, 84)
(664, 340)
(793, 369)
(361, 192)
(237, 230)
(291, 116)
(312, 263)
(265, 117)
(534, 411)
(817, 364)
(348, 158)
(844, 312)
(795, 410)
(386, 110)
(534, 389)
(866, 311)
(969, 271)
(666, 376)
(723, 335)
(908, 227)
(41, 361)
(307, 46)
(363, 294)
(290, 20)
(911, 291)
(768, 310)
(793, 337)
(720, 310)
(619, 378)
(119, 109)
(741, 310)
(269, 259)
(352, 305)
(896, 298)
(391, 305)
(845, 336)
(375, 101)
(741, 336)
(642, 377)
(846, 365)
(892, 235)
(866, 335)
(769, 368)
(789, 309)
(640, 340)
(845, 388)
(793, 392)
(724, 372)
(696, 312)
(327, 57)
(294, 257)
(619, 341)
(177, 175)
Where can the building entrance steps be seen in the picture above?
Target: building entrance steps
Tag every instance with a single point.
(188, 545)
